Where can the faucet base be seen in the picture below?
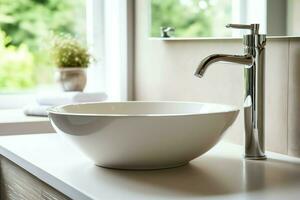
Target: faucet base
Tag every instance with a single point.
(255, 157)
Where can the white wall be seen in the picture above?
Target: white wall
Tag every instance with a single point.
(293, 7)
(164, 71)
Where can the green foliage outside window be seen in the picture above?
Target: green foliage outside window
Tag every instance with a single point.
(16, 65)
(28, 24)
(191, 18)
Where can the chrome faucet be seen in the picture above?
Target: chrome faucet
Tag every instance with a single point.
(165, 32)
(254, 61)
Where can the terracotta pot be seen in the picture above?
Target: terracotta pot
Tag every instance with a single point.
(71, 79)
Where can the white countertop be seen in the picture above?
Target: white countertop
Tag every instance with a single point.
(219, 174)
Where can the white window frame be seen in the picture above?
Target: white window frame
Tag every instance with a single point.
(119, 48)
(110, 37)
(242, 12)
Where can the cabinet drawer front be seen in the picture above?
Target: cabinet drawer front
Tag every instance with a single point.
(18, 184)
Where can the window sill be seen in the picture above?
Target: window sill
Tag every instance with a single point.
(12, 101)
(14, 122)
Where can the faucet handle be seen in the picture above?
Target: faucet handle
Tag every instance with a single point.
(253, 27)
(165, 31)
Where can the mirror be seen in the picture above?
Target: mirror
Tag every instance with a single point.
(207, 18)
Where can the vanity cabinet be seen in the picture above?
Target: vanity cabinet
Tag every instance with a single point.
(18, 184)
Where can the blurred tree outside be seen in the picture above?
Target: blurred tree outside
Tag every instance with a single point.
(16, 65)
(191, 18)
(25, 29)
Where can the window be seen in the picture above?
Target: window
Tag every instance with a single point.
(25, 33)
(207, 18)
(191, 18)
(106, 26)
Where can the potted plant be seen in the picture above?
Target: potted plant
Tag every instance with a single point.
(72, 59)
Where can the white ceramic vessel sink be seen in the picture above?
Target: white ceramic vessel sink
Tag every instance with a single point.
(143, 135)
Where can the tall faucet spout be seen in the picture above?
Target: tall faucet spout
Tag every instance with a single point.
(254, 102)
(239, 59)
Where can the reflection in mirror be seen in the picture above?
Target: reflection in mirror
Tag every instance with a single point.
(207, 18)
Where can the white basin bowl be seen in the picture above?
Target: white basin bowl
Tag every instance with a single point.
(143, 135)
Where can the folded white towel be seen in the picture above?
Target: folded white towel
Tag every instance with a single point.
(54, 99)
(36, 110)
